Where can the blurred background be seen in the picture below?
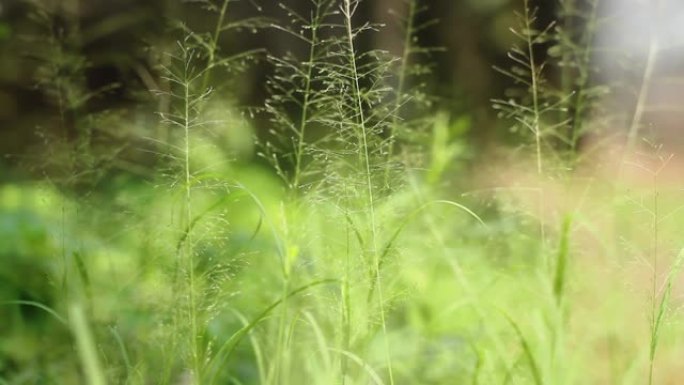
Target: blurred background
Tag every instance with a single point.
(113, 57)
(110, 52)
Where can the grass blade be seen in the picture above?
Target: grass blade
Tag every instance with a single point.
(85, 344)
(38, 305)
(527, 349)
(562, 259)
(227, 349)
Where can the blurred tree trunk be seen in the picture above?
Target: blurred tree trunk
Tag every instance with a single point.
(390, 13)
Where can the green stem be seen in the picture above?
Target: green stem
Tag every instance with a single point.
(583, 77)
(188, 214)
(406, 55)
(307, 100)
(211, 61)
(365, 153)
(535, 84)
(654, 278)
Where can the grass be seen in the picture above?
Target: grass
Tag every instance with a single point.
(356, 250)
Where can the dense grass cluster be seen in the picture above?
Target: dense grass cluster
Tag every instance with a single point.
(353, 242)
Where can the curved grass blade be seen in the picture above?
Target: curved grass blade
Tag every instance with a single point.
(227, 349)
(405, 221)
(371, 373)
(527, 349)
(662, 310)
(38, 305)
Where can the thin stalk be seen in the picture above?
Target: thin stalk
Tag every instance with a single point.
(213, 46)
(188, 214)
(282, 360)
(657, 311)
(307, 100)
(63, 129)
(567, 7)
(403, 68)
(536, 118)
(583, 77)
(346, 312)
(347, 11)
(301, 133)
(535, 84)
(654, 278)
(649, 69)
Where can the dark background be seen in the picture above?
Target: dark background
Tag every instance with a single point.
(119, 44)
